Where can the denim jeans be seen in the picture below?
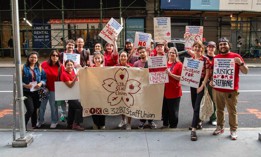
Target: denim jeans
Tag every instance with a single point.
(53, 107)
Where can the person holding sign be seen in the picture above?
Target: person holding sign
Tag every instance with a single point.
(33, 77)
(227, 97)
(98, 120)
(173, 91)
(123, 61)
(197, 93)
(75, 109)
(143, 63)
(111, 55)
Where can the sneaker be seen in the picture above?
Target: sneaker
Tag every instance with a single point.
(218, 131)
(141, 126)
(233, 135)
(193, 136)
(53, 125)
(102, 128)
(128, 127)
(214, 123)
(39, 124)
(77, 127)
(122, 123)
(152, 125)
(62, 118)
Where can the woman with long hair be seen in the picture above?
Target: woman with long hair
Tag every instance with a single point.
(173, 91)
(33, 77)
(53, 69)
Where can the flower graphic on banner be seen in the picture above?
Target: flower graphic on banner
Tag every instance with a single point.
(121, 88)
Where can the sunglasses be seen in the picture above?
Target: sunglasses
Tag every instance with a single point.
(55, 55)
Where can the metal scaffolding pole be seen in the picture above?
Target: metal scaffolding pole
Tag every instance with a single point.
(23, 141)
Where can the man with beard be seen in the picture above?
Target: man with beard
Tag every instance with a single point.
(130, 50)
(143, 63)
(227, 97)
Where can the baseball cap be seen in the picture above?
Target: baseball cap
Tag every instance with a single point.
(159, 43)
(223, 39)
(129, 41)
(212, 43)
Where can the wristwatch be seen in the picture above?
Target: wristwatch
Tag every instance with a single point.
(242, 64)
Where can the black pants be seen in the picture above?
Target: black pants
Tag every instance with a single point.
(196, 99)
(98, 120)
(74, 112)
(32, 104)
(170, 112)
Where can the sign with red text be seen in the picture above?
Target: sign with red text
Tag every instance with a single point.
(191, 72)
(142, 40)
(157, 69)
(111, 30)
(158, 77)
(162, 29)
(224, 73)
(192, 34)
(120, 91)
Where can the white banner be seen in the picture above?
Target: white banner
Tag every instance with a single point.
(63, 92)
(110, 31)
(142, 39)
(192, 34)
(224, 73)
(162, 29)
(191, 72)
(118, 90)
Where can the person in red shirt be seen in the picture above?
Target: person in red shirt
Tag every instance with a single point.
(197, 93)
(123, 61)
(98, 120)
(111, 55)
(173, 91)
(69, 77)
(226, 97)
(52, 67)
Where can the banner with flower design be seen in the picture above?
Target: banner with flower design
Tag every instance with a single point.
(120, 90)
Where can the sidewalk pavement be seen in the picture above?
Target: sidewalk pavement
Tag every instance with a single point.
(8, 62)
(145, 143)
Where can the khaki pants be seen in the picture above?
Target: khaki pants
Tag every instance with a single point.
(228, 99)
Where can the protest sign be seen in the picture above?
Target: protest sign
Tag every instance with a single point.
(72, 56)
(63, 92)
(118, 90)
(191, 72)
(192, 34)
(142, 40)
(224, 73)
(157, 61)
(162, 29)
(157, 69)
(111, 30)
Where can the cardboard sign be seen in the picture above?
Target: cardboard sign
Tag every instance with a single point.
(142, 40)
(224, 73)
(192, 34)
(110, 31)
(157, 61)
(191, 72)
(72, 56)
(162, 29)
(62, 92)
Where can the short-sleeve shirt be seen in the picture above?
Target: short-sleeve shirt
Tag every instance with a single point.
(66, 76)
(236, 76)
(110, 59)
(173, 88)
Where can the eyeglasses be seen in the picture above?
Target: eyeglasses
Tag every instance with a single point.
(55, 55)
(220, 44)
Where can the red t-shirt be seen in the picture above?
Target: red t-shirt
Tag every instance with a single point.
(110, 59)
(51, 74)
(173, 88)
(236, 76)
(65, 76)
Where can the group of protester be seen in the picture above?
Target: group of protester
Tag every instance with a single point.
(36, 75)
